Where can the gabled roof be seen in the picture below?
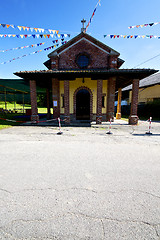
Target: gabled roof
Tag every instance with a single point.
(152, 80)
(89, 38)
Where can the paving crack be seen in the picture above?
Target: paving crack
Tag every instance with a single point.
(103, 229)
(4, 190)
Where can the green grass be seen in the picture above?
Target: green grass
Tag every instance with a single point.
(16, 116)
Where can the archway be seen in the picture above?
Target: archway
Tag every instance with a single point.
(83, 105)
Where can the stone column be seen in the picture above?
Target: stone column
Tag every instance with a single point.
(48, 103)
(133, 118)
(118, 114)
(33, 94)
(55, 98)
(99, 101)
(66, 101)
(111, 98)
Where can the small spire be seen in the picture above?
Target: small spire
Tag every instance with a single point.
(83, 28)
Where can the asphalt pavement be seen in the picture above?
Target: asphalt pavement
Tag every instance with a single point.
(81, 185)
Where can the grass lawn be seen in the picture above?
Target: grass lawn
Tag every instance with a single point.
(18, 116)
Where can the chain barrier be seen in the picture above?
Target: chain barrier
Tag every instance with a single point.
(50, 120)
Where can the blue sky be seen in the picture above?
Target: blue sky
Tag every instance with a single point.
(112, 17)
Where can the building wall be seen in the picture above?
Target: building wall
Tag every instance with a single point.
(88, 83)
(98, 57)
(147, 94)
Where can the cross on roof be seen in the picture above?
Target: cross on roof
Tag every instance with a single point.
(83, 22)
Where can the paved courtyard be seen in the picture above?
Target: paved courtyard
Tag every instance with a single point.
(81, 185)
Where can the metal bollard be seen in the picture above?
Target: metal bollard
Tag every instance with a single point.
(59, 123)
(149, 130)
(109, 132)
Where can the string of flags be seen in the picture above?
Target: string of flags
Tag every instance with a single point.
(144, 25)
(29, 46)
(41, 30)
(131, 36)
(34, 35)
(45, 49)
(59, 40)
(92, 15)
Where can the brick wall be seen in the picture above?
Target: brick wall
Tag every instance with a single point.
(98, 58)
(111, 98)
(55, 97)
(33, 94)
(54, 62)
(133, 118)
(99, 101)
(66, 102)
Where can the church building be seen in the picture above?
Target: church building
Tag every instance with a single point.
(83, 76)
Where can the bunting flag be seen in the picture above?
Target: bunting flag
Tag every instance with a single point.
(92, 15)
(131, 36)
(59, 40)
(29, 46)
(45, 49)
(34, 35)
(41, 30)
(144, 25)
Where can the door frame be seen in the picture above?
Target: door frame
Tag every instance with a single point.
(91, 100)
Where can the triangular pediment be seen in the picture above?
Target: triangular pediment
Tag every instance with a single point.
(84, 37)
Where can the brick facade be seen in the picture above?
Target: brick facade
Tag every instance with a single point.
(97, 57)
(99, 101)
(66, 102)
(112, 61)
(33, 94)
(133, 118)
(55, 98)
(111, 98)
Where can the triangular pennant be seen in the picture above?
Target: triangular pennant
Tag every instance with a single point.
(3, 25)
(19, 27)
(151, 24)
(7, 25)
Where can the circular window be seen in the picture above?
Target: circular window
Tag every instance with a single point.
(82, 61)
